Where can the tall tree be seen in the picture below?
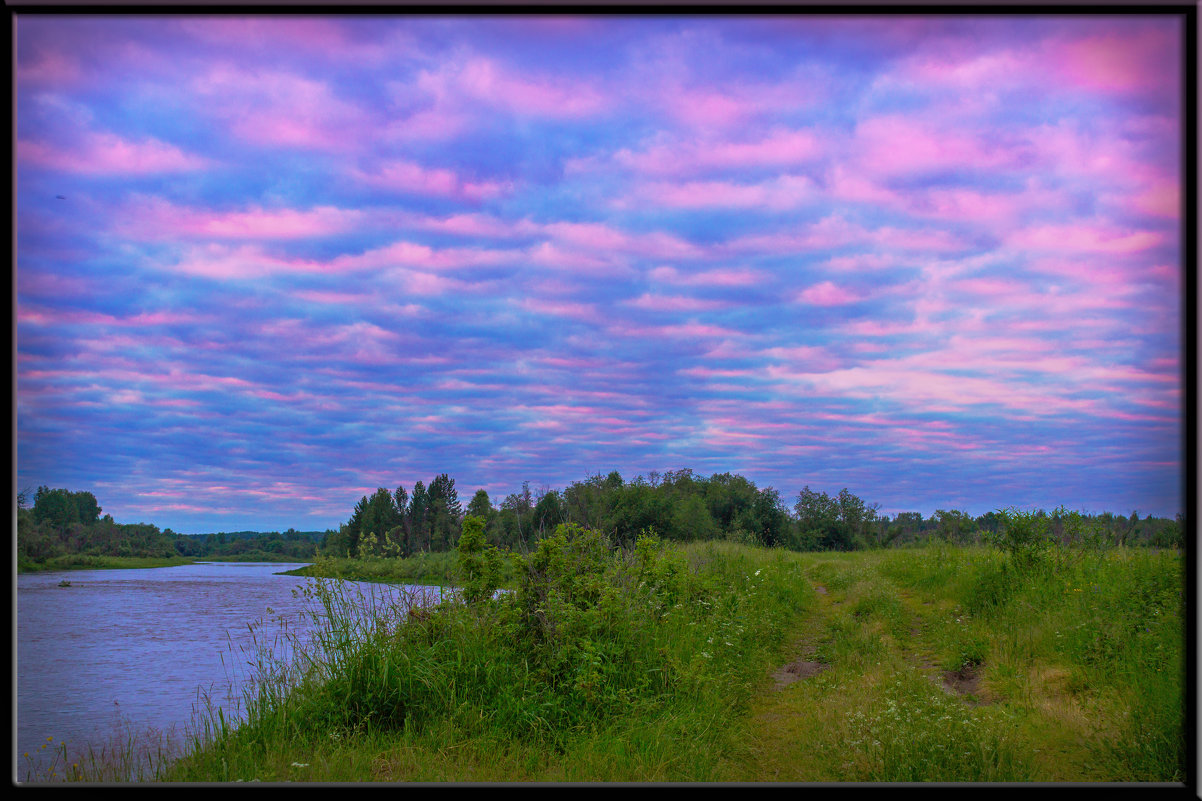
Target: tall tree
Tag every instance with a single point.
(444, 512)
(480, 506)
(401, 496)
(418, 512)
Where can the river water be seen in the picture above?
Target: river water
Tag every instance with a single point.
(123, 655)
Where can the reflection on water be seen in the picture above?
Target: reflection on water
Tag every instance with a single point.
(123, 653)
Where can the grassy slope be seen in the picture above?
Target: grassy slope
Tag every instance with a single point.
(1070, 671)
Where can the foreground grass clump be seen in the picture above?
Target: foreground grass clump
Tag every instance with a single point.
(602, 663)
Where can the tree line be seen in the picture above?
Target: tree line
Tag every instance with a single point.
(63, 523)
(684, 506)
(676, 505)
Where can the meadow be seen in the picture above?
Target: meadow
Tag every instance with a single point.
(723, 662)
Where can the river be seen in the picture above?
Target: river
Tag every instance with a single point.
(123, 655)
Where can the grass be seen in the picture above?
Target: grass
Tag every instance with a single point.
(954, 664)
(656, 663)
(436, 568)
(600, 665)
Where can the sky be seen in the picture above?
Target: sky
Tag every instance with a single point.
(265, 265)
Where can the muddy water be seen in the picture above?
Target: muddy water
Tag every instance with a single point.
(137, 653)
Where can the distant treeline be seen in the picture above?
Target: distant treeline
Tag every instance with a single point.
(62, 522)
(680, 505)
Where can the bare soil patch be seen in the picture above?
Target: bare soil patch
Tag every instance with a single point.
(964, 682)
(795, 671)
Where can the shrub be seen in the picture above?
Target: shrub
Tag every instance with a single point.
(1025, 536)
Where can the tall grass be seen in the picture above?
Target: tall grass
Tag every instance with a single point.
(643, 655)
(435, 568)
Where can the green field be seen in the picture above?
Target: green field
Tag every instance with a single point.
(719, 662)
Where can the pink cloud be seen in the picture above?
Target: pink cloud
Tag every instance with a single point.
(412, 178)
(155, 218)
(243, 262)
(1084, 238)
(484, 80)
(834, 231)
(417, 282)
(315, 36)
(783, 192)
(782, 147)
(921, 239)
(432, 124)
(106, 153)
(720, 276)
(576, 311)
(281, 108)
(412, 254)
(673, 303)
(329, 297)
(48, 68)
(716, 372)
(816, 359)
(1123, 62)
(689, 330)
(847, 184)
(992, 69)
(863, 261)
(895, 145)
(827, 294)
(475, 225)
(547, 254)
(1162, 198)
(605, 238)
(705, 107)
(722, 106)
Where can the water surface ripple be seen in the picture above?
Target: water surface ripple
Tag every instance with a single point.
(123, 652)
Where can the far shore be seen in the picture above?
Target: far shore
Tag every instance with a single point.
(89, 562)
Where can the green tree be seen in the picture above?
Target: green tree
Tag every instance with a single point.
(691, 519)
(479, 562)
(770, 517)
(418, 512)
(548, 513)
(381, 515)
(819, 524)
(405, 539)
(955, 526)
(517, 510)
(480, 506)
(55, 507)
(444, 512)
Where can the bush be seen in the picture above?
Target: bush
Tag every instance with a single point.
(1025, 536)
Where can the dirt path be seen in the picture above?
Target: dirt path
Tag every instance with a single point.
(848, 704)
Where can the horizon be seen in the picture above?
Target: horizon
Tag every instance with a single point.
(788, 501)
(265, 265)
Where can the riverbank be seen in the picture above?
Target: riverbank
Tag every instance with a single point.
(726, 663)
(90, 562)
(435, 569)
(93, 562)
